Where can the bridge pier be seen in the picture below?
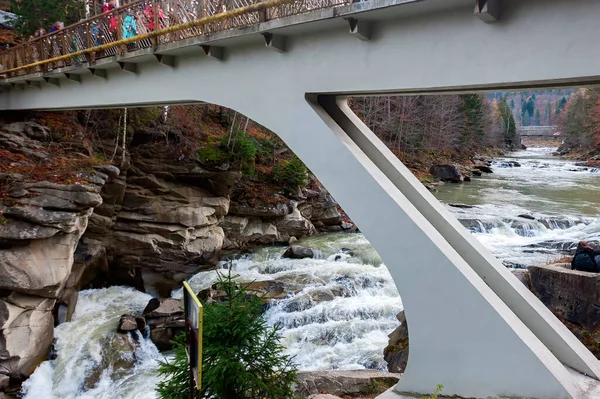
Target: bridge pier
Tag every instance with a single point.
(471, 320)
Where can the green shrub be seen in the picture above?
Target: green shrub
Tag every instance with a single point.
(240, 147)
(291, 173)
(241, 356)
(212, 154)
(438, 390)
(176, 385)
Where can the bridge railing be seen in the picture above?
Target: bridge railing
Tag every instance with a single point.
(152, 23)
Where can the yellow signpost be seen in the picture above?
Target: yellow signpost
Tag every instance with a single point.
(193, 319)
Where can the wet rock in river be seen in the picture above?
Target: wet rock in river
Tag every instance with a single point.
(484, 168)
(298, 252)
(447, 172)
(127, 323)
(396, 353)
(165, 318)
(526, 216)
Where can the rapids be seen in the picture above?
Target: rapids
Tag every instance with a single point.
(347, 330)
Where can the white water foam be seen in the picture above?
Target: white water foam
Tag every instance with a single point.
(341, 332)
(79, 345)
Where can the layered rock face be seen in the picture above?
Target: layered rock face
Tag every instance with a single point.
(41, 224)
(163, 222)
(309, 212)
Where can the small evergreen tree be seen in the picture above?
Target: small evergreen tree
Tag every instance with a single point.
(176, 386)
(290, 173)
(241, 355)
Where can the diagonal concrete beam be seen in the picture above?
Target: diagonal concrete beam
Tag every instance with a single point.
(128, 67)
(167, 60)
(555, 336)
(276, 42)
(359, 29)
(216, 52)
(487, 10)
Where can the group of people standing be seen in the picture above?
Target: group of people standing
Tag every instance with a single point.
(109, 27)
(58, 25)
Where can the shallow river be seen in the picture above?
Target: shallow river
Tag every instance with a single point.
(347, 303)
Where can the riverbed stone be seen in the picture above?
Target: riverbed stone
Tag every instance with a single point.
(484, 168)
(127, 323)
(300, 252)
(447, 172)
(396, 353)
(165, 318)
(356, 382)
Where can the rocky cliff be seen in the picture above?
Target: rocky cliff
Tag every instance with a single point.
(41, 224)
(69, 221)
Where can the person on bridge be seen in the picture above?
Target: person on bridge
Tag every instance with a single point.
(586, 259)
(149, 13)
(112, 22)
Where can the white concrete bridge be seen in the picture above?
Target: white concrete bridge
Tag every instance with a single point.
(474, 328)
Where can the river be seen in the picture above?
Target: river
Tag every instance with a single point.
(346, 303)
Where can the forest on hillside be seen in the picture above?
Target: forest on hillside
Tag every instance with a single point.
(535, 108)
(579, 123)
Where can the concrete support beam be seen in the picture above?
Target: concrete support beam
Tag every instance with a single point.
(276, 42)
(218, 53)
(17, 86)
(52, 81)
(128, 67)
(515, 349)
(487, 10)
(34, 83)
(74, 77)
(167, 60)
(360, 29)
(99, 73)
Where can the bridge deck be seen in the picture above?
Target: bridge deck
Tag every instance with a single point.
(148, 25)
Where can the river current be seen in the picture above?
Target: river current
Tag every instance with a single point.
(347, 303)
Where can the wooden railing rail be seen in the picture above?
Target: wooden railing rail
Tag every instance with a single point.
(143, 24)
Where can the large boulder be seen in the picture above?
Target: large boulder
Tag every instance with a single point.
(396, 353)
(165, 318)
(484, 168)
(26, 332)
(573, 296)
(344, 383)
(447, 172)
(299, 252)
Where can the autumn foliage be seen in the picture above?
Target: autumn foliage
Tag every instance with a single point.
(580, 122)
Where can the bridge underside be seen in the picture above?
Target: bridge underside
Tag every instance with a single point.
(474, 328)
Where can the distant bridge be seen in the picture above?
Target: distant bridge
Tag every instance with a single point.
(537, 131)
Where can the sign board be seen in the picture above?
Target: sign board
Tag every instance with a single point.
(193, 319)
